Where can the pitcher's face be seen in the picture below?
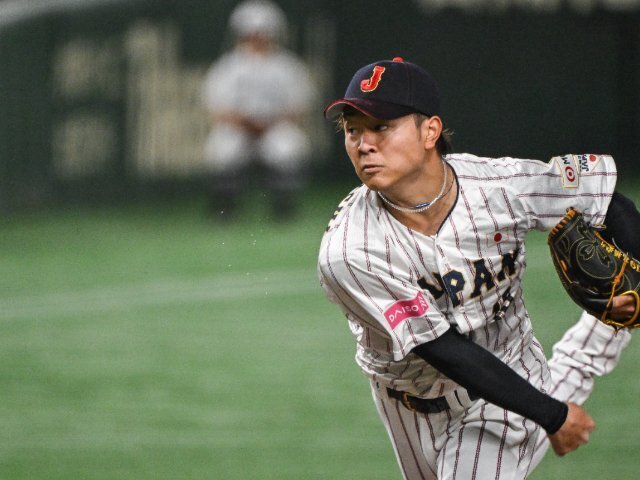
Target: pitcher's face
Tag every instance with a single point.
(385, 153)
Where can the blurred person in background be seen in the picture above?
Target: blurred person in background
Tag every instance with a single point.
(258, 95)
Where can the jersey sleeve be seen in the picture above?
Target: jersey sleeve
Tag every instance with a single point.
(409, 316)
(379, 292)
(545, 190)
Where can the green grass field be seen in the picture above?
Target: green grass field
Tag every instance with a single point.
(149, 342)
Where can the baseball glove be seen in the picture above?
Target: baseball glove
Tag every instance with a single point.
(592, 270)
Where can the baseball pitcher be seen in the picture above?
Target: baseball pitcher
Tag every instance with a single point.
(426, 260)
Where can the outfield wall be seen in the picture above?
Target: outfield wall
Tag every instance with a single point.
(101, 98)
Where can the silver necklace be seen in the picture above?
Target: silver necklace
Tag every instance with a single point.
(421, 207)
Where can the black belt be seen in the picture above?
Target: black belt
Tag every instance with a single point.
(423, 405)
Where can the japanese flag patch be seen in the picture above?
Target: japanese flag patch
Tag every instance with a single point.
(587, 162)
(499, 236)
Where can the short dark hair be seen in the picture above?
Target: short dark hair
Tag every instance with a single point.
(348, 110)
(444, 145)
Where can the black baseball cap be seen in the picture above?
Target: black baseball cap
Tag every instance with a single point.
(389, 89)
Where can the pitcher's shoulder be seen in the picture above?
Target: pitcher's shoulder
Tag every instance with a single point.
(353, 205)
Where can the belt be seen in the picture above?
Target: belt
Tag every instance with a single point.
(423, 405)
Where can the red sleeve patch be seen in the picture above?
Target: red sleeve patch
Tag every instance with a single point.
(569, 174)
(403, 309)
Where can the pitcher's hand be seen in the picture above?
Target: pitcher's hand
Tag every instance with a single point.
(574, 432)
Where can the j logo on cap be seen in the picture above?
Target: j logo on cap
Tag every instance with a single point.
(406, 88)
(372, 83)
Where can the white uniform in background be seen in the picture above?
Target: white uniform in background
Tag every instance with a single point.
(399, 288)
(264, 87)
(258, 95)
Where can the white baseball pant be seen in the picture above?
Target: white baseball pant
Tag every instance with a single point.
(476, 445)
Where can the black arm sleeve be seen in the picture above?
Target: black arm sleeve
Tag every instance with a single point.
(482, 373)
(623, 225)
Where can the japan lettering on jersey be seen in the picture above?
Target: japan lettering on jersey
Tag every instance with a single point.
(399, 288)
(470, 272)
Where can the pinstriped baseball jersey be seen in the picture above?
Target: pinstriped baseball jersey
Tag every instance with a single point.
(399, 288)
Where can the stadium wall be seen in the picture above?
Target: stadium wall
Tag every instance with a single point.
(100, 99)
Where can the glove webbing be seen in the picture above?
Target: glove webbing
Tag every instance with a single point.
(614, 323)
